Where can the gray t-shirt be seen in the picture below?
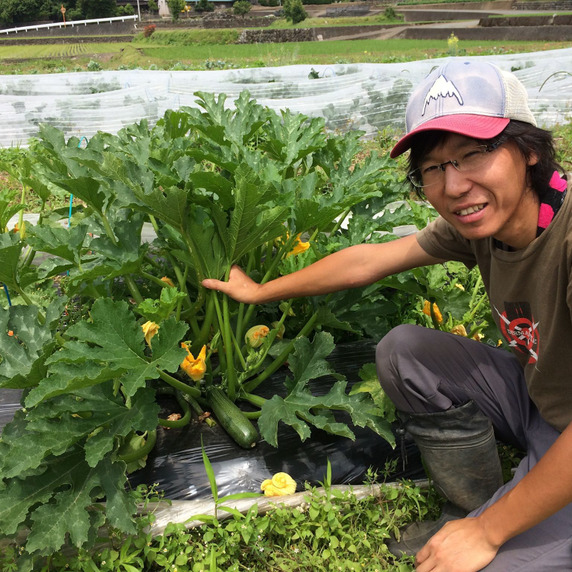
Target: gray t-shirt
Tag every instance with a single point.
(530, 293)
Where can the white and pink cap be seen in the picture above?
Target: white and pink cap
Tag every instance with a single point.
(472, 98)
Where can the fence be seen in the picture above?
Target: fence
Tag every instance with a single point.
(71, 24)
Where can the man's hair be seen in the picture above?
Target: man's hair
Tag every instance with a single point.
(530, 140)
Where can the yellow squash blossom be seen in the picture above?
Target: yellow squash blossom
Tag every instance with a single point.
(149, 330)
(255, 335)
(299, 247)
(168, 281)
(279, 485)
(436, 311)
(459, 330)
(195, 368)
(281, 329)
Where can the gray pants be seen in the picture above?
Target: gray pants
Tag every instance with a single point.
(425, 371)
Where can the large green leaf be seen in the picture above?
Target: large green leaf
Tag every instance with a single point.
(110, 346)
(57, 501)
(64, 243)
(300, 408)
(291, 136)
(23, 354)
(10, 252)
(253, 221)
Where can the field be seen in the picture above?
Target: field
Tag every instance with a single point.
(202, 53)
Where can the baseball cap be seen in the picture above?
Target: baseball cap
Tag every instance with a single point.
(472, 98)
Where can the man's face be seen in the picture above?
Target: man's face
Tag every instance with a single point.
(491, 199)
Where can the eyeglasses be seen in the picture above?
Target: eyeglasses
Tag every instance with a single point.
(471, 162)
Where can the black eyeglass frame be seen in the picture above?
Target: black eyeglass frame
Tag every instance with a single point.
(487, 147)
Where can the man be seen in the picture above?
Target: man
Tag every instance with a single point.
(479, 159)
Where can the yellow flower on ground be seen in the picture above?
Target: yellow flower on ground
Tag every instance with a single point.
(279, 485)
(149, 330)
(299, 247)
(168, 281)
(459, 330)
(255, 335)
(436, 311)
(195, 368)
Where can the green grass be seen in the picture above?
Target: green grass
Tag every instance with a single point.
(197, 49)
(331, 52)
(74, 57)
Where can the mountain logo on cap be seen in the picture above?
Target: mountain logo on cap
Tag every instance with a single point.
(441, 88)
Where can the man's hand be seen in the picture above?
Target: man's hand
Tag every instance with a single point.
(239, 286)
(460, 546)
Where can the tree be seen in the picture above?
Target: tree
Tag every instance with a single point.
(294, 11)
(204, 6)
(153, 6)
(97, 8)
(175, 7)
(241, 7)
(18, 11)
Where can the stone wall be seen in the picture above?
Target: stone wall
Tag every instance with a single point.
(556, 20)
(276, 36)
(496, 5)
(235, 22)
(500, 33)
(303, 34)
(442, 15)
(544, 6)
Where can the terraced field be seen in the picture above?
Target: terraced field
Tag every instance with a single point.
(35, 51)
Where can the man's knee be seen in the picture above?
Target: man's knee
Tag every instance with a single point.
(405, 368)
(398, 342)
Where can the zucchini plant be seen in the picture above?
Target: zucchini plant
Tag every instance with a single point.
(153, 211)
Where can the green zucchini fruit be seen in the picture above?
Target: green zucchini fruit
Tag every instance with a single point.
(232, 419)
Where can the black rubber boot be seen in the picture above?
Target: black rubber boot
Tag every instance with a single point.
(459, 450)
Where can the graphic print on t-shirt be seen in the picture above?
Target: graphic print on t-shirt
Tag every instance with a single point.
(518, 327)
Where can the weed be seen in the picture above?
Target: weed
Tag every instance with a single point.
(331, 530)
(93, 66)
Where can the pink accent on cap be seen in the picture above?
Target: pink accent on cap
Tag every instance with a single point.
(477, 126)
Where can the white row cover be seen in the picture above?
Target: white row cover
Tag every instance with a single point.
(368, 97)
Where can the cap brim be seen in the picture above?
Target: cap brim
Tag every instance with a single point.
(476, 126)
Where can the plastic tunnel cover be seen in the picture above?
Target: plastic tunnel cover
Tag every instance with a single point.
(367, 97)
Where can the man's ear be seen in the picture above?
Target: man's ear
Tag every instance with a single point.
(532, 160)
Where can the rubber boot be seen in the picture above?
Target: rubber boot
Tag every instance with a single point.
(460, 454)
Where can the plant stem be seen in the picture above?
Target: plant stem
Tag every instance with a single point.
(224, 326)
(273, 335)
(153, 278)
(341, 219)
(279, 361)
(476, 288)
(183, 387)
(207, 322)
(254, 399)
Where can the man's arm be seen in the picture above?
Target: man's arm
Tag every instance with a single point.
(468, 545)
(351, 267)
